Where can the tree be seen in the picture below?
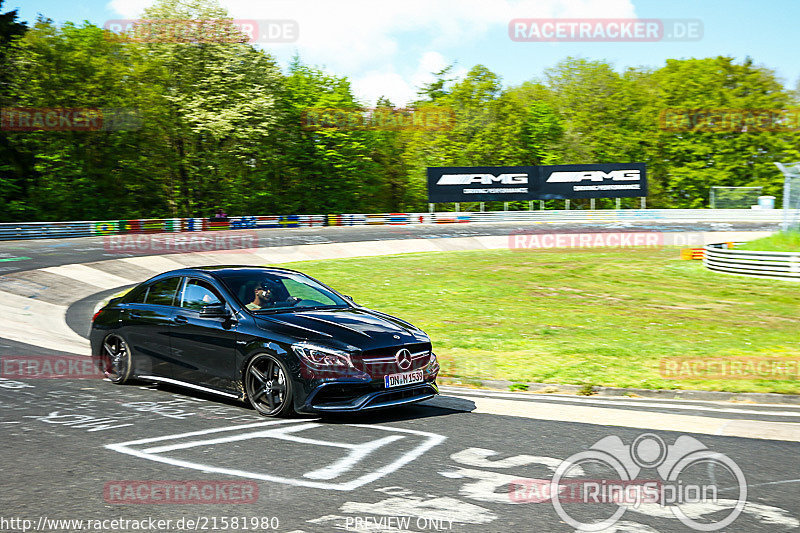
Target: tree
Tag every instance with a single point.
(14, 165)
(696, 159)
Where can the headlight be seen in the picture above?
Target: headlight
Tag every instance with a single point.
(321, 357)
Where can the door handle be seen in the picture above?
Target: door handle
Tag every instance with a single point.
(181, 319)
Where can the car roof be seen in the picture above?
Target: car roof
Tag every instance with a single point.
(228, 269)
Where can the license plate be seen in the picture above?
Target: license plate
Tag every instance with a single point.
(398, 380)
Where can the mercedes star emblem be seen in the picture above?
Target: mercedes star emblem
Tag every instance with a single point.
(403, 358)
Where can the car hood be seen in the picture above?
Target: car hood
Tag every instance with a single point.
(357, 327)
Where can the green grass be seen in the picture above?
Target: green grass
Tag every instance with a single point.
(584, 316)
(788, 241)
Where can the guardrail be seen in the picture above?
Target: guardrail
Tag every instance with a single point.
(775, 265)
(47, 230)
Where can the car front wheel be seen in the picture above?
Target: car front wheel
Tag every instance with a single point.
(268, 386)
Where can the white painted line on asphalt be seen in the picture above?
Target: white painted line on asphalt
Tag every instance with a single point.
(646, 402)
(357, 452)
(753, 429)
(222, 440)
(89, 275)
(202, 432)
(40, 323)
(155, 263)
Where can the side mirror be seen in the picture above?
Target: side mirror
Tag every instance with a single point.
(349, 298)
(215, 311)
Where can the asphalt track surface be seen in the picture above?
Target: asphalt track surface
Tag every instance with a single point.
(17, 256)
(72, 448)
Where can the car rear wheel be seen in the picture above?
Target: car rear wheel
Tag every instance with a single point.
(268, 386)
(115, 359)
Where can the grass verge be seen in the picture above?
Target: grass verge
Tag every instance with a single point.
(788, 241)
(584, 316)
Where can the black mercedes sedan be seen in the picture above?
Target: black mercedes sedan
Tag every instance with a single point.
(274, 337)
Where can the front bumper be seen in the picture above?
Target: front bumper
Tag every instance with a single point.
(338, 397)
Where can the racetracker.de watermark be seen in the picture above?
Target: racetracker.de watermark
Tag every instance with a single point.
(737, 120)
(604, 30)
(180, 492)
(27, 119)
(730, 368)
(166, 243)
(204, 30)
(49, 367)
(379, 118)
(528, 240)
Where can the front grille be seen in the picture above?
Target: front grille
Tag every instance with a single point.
(380, 362)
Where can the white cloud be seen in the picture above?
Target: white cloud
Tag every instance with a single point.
(129, 9)
(355, 34)
(365, 39)
(398, 88)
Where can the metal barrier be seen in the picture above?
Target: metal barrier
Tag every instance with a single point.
(48, 230)
(775, 265)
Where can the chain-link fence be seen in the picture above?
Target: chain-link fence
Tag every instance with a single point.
(791, 196)
(733, 197)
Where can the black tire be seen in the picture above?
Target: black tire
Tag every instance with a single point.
(268, 386)
(116, 361)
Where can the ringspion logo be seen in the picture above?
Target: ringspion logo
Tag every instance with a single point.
(689, 477)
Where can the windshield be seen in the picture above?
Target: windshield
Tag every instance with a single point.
(261, 291)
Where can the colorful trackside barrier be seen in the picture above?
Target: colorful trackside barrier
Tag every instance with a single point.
(55, 230)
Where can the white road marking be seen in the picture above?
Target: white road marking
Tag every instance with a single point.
(40, 323)
(478, 457)
(613, 402)
(223, 440)
(484, 486)
(155, 263)
(357, 452)
(89, 275)
(621, 417)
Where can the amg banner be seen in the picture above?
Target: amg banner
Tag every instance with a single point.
(508, 184)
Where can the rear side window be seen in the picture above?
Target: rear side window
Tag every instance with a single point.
(136, 296)
(163, 292)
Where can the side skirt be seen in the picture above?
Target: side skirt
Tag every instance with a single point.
(171, 381)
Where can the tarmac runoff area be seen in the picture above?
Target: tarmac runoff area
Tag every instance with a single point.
(448, 464)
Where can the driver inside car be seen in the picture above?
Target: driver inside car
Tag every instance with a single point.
(266, 297)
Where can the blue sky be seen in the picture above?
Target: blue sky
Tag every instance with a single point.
(390, 48)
